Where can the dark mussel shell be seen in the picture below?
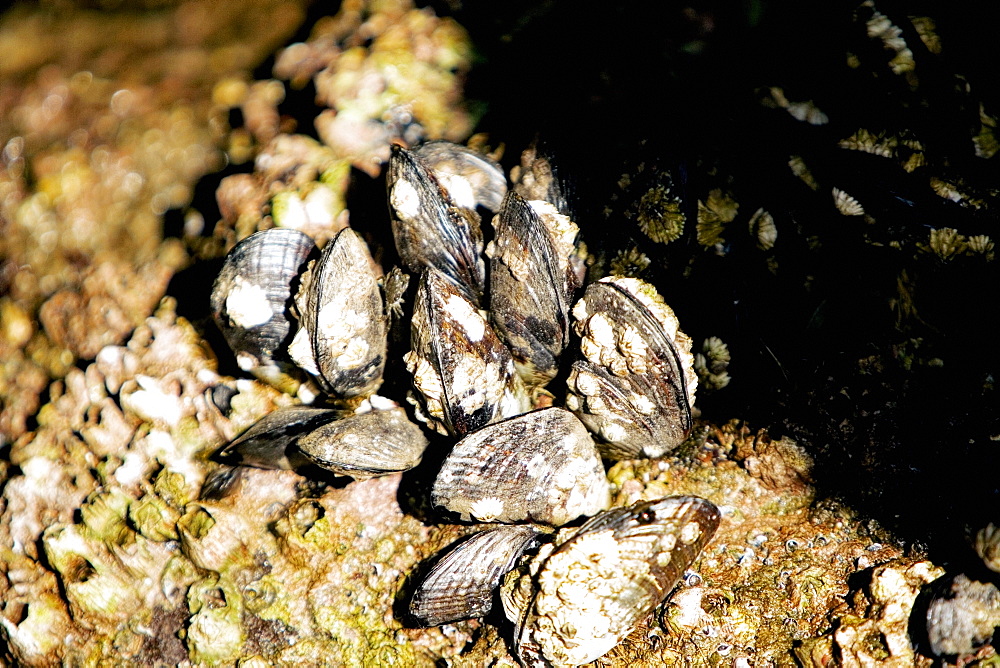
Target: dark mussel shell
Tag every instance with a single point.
(528, 295)
(461, 585)
(251, 296)
(471, 178)
(463, 371)
(593, 589)
(364, 445)
(270, 443)
(430, 229)
(343, 337)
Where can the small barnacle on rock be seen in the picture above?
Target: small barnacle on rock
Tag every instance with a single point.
(712, 364)
(801, 111)
(863, 140)
(981, 245)
(846, 204)
(987, 544)
(659, 214)
(986, 141)
(763, 229)
(801, 171)
(630, 262)
(881, 27)
(926, 28)
(713, 215)
(946, 243)
(956, 191)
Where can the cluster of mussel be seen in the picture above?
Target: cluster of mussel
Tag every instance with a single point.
(481, 353)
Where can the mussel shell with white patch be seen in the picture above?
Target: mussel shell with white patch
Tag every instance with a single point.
(250, 300)
(635, 388)
(461, 368)
(471, 178)
(430, 229)
(365, 445)
(528, 293)
(593, 589)
(342, 340)
(538, 467)
(461, 585)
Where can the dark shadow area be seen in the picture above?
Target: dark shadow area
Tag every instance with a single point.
(819, 350)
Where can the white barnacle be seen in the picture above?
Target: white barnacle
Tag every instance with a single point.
(690, 532)
(355, 353)
(247, 304)
(488, 509)
(613, 432)
(667, 543)
(846, 204)
(642, 404)
(633, 347)
(300, 350)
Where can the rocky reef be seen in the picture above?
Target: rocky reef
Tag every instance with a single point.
(117, 390)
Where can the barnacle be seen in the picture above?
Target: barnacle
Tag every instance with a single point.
(946, 243)
(659, 214)
(762, 227)
(846, 204)
(713, 215)
(629, 262)
(711, 364)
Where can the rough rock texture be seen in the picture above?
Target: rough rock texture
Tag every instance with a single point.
(112, 403)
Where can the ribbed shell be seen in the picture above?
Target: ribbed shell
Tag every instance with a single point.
(343, 337)
(537, 467)
(461, 584)
(251, 296)
(366, 444)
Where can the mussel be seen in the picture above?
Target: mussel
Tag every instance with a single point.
(588, 593)
(250, 300)
(536, 467)
(635, 386)
(430, 229)
(342, 339)
(463, 371)
(529, 295)
(358, 445)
